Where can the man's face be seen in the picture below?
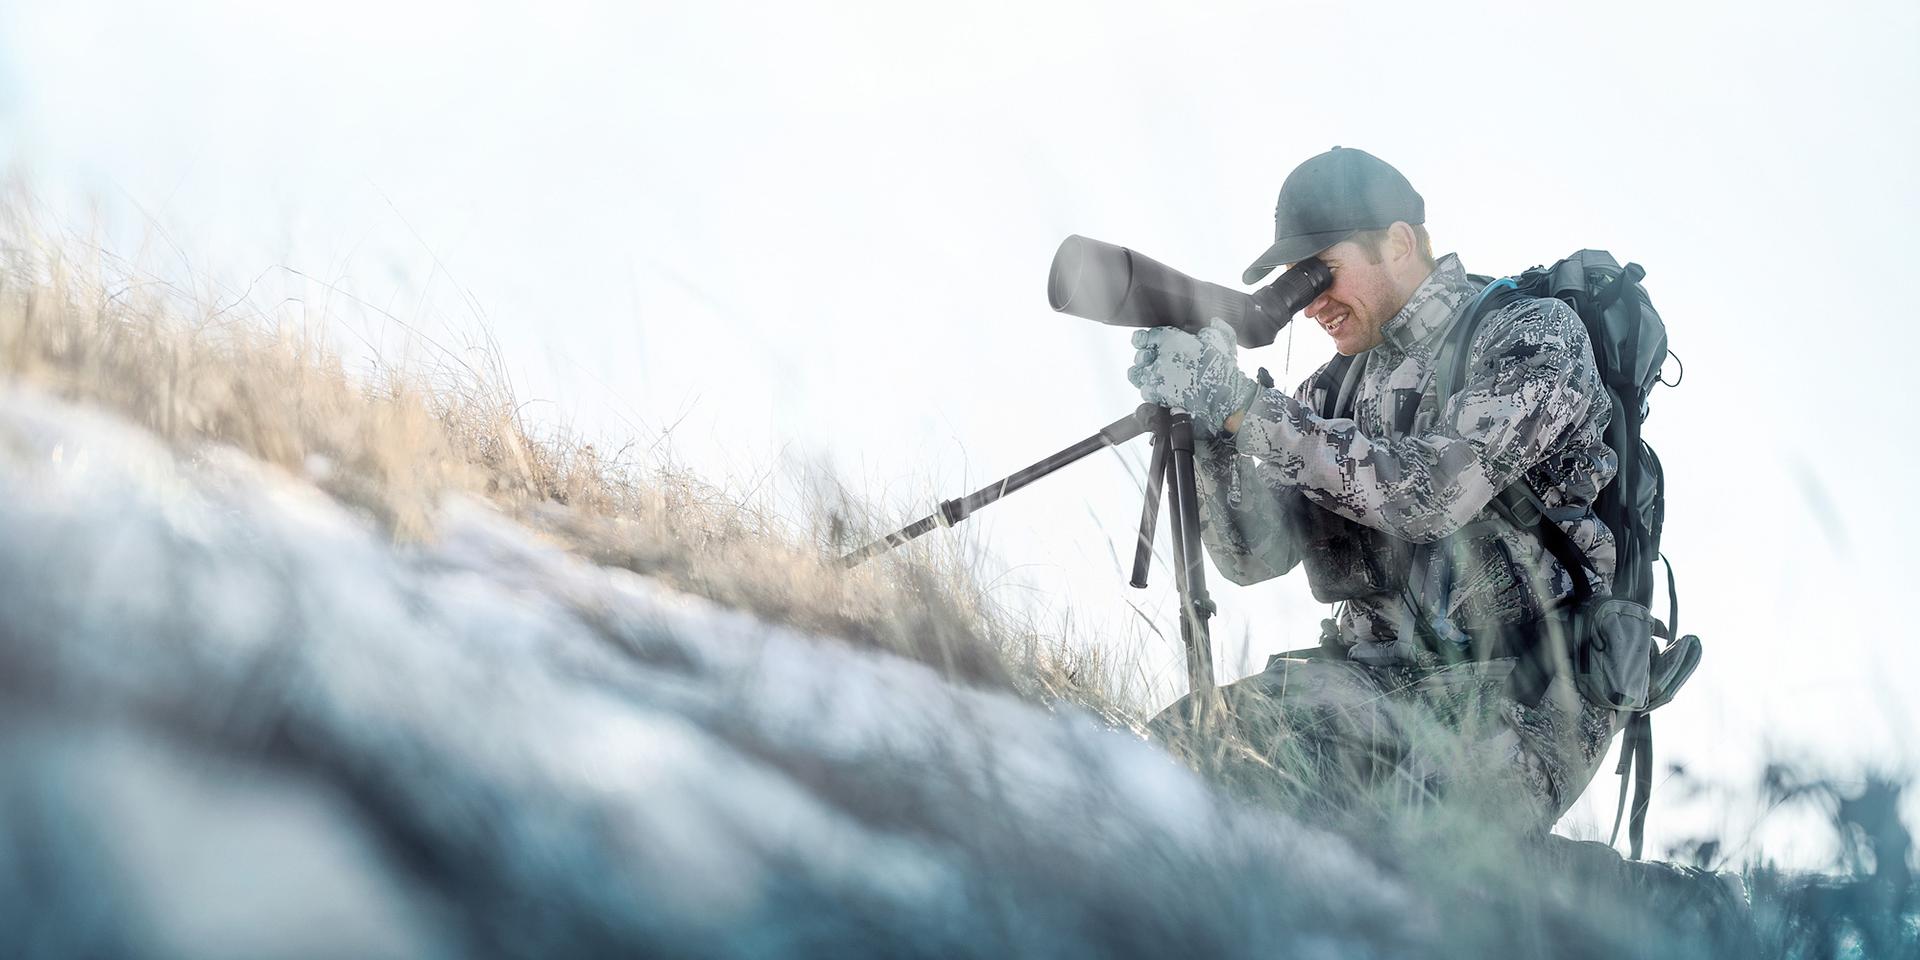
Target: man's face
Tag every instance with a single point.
(1360, 301)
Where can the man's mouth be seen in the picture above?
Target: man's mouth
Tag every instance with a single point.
(1333, 326)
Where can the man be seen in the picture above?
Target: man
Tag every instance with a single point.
(1384, 493)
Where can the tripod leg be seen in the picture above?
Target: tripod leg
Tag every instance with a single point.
(1190, 576)
(1150, 509)
(956, 510)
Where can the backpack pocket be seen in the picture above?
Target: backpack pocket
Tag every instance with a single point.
(1671, 668)
(1614, 663)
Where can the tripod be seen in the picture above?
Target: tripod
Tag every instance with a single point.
(1172, 451)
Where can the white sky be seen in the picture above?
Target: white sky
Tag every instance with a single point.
(821, 232)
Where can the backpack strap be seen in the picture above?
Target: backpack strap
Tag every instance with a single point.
(1451, 364)
(1520, 506)
(1636, 756)
(1354, 370)
(1326, 388)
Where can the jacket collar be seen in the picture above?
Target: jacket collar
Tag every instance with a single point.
(1433, 305)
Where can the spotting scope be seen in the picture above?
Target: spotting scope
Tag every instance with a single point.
(1099, 281)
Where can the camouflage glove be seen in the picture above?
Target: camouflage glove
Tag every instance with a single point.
(1197, 374)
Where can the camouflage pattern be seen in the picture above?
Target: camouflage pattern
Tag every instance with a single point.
(1174, 368)
(1350, 733)
(1527, 408)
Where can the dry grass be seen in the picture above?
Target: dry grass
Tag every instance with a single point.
(79, 324)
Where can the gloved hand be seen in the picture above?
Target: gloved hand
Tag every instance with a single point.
(1174, 368)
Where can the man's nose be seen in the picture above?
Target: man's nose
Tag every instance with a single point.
(1313, 309)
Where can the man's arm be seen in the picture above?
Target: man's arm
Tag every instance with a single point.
(1531, 379)
(1243, 518)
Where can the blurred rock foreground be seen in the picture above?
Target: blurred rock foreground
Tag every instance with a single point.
(239, 723)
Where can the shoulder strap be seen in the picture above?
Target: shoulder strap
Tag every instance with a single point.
(1327, 384)
(1451, 365)
(1520, 506)
(1349, 385)
(1493, 295)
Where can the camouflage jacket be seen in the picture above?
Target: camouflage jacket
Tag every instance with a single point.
(1532, 405)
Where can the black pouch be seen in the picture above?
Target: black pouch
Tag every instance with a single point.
(1346, 560)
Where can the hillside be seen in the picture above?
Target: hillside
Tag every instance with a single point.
(295, 662)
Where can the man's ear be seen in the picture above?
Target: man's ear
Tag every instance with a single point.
(1401, 244)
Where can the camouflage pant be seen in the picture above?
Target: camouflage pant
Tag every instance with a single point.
(1335, 733)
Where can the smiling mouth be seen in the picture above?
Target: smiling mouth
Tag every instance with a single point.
(1333, 326)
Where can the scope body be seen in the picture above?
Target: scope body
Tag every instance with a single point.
(1110, 284)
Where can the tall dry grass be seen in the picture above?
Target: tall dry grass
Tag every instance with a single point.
(395, 441)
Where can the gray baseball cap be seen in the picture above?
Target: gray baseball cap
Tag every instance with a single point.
(1332, 197)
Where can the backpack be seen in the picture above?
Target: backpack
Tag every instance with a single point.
(1610, 645)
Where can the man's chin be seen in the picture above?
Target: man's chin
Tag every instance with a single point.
(1352, 346)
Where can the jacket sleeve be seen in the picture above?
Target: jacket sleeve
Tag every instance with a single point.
(1243, 516)
(1532, 379)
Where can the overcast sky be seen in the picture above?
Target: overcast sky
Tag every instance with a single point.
(820, 233)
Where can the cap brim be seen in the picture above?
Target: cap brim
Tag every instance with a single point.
(1292, 250)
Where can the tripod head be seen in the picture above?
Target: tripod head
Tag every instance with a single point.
(1108, 284)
